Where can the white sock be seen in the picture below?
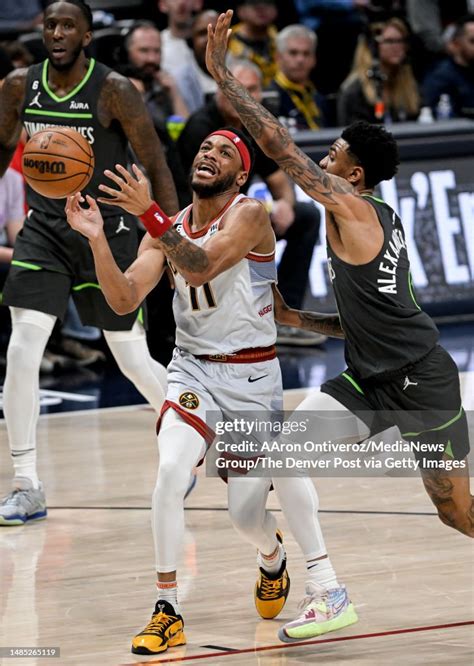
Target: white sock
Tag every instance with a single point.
(272, 563)
(321, 572)
(168, 591)
(25, 466)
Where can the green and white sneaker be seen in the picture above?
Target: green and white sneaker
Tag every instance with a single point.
(23, 504)
(321, 611)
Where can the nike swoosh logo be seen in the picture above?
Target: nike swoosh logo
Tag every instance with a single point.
(255, 379)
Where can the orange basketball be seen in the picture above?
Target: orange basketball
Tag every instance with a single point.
(58, 161)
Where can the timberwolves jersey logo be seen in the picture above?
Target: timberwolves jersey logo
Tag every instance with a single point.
(189, 400)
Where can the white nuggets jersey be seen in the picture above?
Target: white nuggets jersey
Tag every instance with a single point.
(232, 312)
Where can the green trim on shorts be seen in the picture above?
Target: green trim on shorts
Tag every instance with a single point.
(410, 289)
(86, 285)
(353, 382)
(448, 449)
(24, 264)
(441, 427)
(140, 317)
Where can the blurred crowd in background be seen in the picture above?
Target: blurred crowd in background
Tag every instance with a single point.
(313, 63)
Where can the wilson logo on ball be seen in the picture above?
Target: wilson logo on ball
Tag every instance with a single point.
(42, 166)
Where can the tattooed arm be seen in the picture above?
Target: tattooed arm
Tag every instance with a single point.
(119, 100)
(11, 98)
(327, 324)
(333, 192)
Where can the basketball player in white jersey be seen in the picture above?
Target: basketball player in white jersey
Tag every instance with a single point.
(221, 251)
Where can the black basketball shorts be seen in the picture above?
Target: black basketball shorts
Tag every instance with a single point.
(51, 261)
(423, 401)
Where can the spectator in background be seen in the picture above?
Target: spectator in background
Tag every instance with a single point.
(381, 86)
(176, 52)
(298, 106)
(431, 21)
(18, 54)
(255, 36)
(338, 24)
(296, 222)
(20, 15)
(12, 202)
(143, 48)
(193, 80)
(454, 76)
(161, 124)
(12, 212)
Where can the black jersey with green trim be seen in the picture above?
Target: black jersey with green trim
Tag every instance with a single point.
(78, 110)
(384, 327)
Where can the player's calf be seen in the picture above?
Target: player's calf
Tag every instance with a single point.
(452, 498)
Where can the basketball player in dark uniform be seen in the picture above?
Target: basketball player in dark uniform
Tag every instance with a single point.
(51, 261)
(397, 373)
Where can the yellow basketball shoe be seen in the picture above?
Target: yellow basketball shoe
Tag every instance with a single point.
(271, 590)
(164, 630)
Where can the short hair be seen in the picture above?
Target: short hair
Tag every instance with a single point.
(245, 138)
(83, 6)
(460, 25)
(138, 25)
(298, 31)
(374, 148)
(234, 63)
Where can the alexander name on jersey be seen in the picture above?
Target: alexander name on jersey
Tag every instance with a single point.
(387, 282)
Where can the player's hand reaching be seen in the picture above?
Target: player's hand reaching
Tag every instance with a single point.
(133, 194)
(88, 221)
(217, 39)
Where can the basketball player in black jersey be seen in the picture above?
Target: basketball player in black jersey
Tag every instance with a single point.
(396, 370)
(50, 260)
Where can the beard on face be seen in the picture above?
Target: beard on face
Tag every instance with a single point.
(208, 190)
(64, 66)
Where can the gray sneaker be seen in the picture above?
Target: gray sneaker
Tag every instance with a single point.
(297, 337)
(24, 503)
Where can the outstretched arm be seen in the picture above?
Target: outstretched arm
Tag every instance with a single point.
(327, 324)
(274, 139)
(124, 292)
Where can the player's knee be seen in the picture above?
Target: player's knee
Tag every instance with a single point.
(19, 361)
(172, 482)
(132, 368)
(243, 517)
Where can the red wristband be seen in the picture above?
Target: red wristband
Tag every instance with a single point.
(156, 221)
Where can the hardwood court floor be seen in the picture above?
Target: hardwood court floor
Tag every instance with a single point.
(83, 580)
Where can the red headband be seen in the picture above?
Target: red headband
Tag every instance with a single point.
(239, 144)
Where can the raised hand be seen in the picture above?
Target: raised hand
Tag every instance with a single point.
(217, 39)
(88, 221)
(133, 194)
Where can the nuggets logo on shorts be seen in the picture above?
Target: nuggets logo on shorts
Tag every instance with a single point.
(189, 400)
